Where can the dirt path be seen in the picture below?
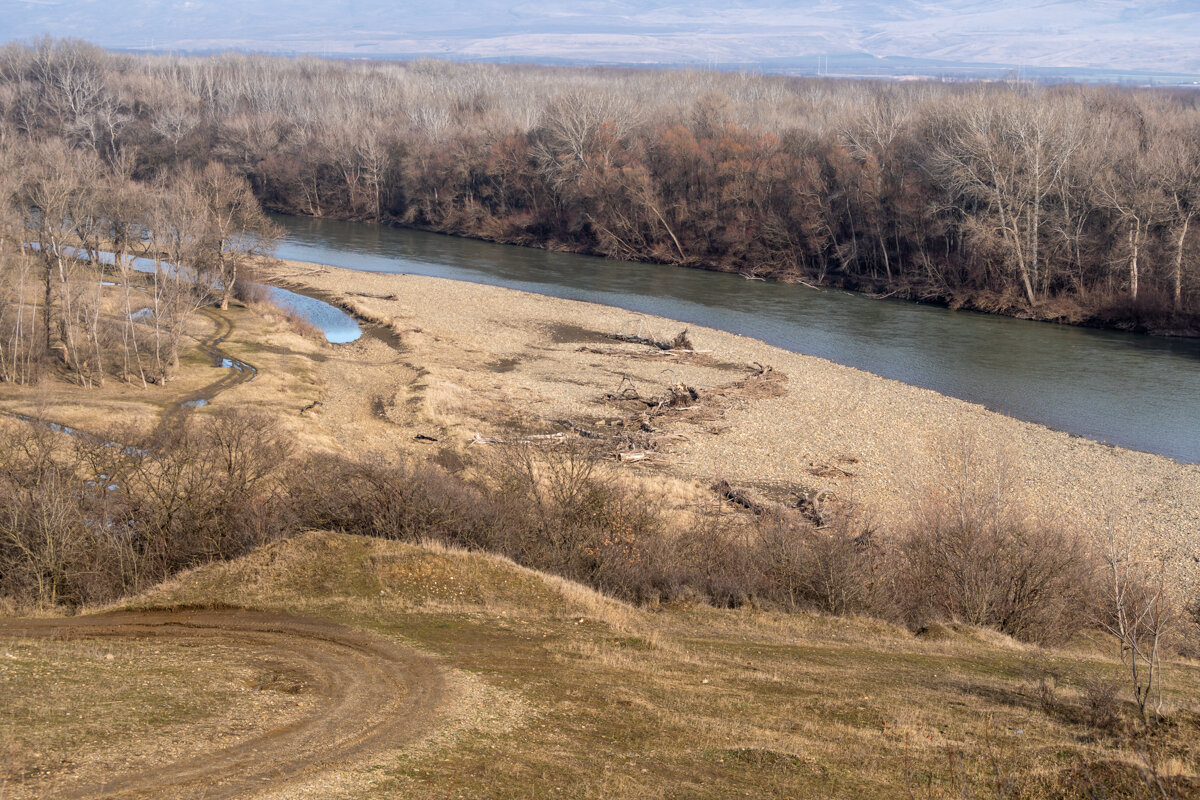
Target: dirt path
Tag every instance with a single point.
(367, 694)
(239, 371)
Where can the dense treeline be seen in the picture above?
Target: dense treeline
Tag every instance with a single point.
(1070, 202)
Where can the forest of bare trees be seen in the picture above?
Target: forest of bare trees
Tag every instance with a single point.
(1070, 203)
(88, 276)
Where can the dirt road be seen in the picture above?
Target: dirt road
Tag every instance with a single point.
(367, 695)
(239, 371)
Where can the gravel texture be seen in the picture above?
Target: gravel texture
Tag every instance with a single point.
(490, 360)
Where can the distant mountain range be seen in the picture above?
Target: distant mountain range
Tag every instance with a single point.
(1104, 37)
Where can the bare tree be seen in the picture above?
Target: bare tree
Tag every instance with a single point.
(1008, 155)
(235, 228)
(56, 198)
(1138, 612)
(1178, 178)
(177, 236)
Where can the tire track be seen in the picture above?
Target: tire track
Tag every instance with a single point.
(239, 371)
(368, 695)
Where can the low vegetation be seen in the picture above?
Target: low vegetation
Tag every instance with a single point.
(101, 516)
(576, 695)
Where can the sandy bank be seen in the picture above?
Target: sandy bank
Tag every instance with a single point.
(488, 361)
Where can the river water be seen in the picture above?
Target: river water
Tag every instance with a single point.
(338, 326)
(1131, 390)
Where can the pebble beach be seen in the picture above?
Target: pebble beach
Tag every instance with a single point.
(493, 359)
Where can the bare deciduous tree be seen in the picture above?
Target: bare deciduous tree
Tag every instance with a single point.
(1138, 612)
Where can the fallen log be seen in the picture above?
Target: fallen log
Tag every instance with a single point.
(737, 497)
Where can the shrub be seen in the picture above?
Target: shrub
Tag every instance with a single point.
(837, 569)
(100, 516)
(100, 520)
(1100, 703)
(1034, 582)
(973, 553)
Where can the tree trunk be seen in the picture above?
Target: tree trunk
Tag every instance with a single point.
(1135, 235)
(1177, 303)
(226, 282)
(46, 303)
(1018, 250)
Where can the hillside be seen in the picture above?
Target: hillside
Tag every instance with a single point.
(550, 690)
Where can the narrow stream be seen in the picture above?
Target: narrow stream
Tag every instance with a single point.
(338, 326)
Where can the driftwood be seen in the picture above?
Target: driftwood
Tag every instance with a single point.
(678, 396)
(737, 497)
(538, 438)
(680, 342)
(314, 271)
(827, 470)
(584, 432)
(626, 390)
(817, 506)
(613, 351)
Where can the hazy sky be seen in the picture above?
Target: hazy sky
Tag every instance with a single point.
(1115, 34)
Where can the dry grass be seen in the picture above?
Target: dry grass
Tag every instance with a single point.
(79, 711)
(686, 701)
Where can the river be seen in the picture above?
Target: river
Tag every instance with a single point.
(1131, 390)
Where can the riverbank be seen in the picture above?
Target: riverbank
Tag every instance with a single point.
(483, 363)
(1112, 313)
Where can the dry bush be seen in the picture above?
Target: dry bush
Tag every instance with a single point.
(1101, 706)
(1186, 641)
(1044, 682)
(562, 509)
(43, 542)
(375, 497)
(974, 554)
(716, 561)
(1033, 582)
(838, 569)
(91, 518)
(249, 291)
(1139, 612)
(223, 483)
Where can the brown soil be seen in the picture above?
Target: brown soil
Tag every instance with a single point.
(362, 695)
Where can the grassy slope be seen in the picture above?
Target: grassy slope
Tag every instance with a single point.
(585, 697)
